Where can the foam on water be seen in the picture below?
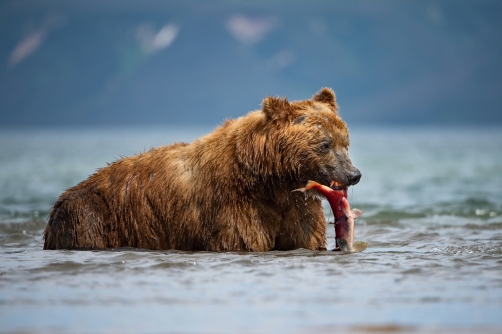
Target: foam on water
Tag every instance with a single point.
(433, 223)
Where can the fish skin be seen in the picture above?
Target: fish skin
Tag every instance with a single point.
(333, 196)
(344, 226)
(344, 216)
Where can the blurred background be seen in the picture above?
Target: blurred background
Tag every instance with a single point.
(419, 83)
(115, 63)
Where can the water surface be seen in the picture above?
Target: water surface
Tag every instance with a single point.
(433, 222)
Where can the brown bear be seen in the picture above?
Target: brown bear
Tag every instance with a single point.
(230, 190)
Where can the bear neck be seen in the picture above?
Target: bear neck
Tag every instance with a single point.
(247, 160)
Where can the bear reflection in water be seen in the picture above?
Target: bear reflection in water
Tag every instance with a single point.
(230, 190)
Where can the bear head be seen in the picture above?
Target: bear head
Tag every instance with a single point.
(302, 140)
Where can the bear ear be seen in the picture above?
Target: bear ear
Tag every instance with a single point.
(326, 95)
(276, 108)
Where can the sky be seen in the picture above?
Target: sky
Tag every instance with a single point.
(115, 63)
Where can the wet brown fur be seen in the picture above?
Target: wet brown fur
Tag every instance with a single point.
(228, 190)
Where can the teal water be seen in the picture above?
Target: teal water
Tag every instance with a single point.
(433, 221)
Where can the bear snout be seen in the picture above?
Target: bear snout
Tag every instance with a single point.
(354, 177)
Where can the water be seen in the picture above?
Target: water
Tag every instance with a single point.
(433, 222)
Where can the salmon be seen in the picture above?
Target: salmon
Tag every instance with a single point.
(344, 216)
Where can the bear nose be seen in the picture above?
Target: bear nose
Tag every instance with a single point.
(354, 177)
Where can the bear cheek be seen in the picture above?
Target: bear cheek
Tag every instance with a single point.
(310, 166)
(331, 160)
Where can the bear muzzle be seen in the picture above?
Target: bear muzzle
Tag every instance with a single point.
(354, 177)
(351, 177)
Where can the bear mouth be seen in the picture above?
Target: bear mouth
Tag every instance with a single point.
(338, 186)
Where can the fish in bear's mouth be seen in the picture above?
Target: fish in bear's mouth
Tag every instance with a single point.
(337, 196)
(337, 186)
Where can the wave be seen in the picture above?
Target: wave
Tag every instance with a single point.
(469, 249)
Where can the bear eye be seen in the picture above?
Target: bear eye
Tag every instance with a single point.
(325, 146)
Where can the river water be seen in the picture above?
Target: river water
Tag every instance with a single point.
(433, 221)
